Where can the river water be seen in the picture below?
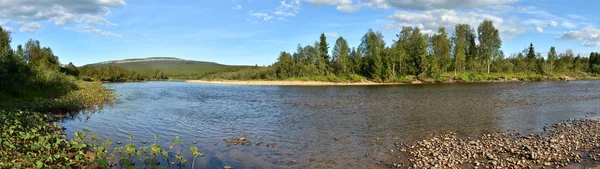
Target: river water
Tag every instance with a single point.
(333, 126)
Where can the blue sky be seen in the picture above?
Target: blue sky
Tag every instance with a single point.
(248, 32)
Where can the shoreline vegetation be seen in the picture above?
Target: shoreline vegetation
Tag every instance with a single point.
(468, 55)
(447, 78)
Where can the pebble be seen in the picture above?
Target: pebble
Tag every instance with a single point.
(560, 146)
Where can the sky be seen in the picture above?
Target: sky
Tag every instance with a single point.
(254, 32)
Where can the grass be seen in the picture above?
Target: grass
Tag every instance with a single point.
(87, 96)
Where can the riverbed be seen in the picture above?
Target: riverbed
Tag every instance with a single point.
(329, 126)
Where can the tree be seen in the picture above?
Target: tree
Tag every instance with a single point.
(323, 47)
(284, 65)
(404, 41)
(441, 49)
(71, 69)
(418, 50)
(472, 51)
(489, 42)
(594, 62)
(372, 48)
(552, 58)
(531, 52)
(461, 41)
(340, 56)
(531, 58)
(397, 56)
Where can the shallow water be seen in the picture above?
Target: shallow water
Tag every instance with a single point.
(303, 121)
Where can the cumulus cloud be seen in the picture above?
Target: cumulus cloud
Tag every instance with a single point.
(588, 36)
(539, 29)
(553, 23)
(349, 5)
(287, 9)
(59, 12)
(430, 21)
(31, 27)
(262, 15)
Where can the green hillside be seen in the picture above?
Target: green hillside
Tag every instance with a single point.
(174, 68)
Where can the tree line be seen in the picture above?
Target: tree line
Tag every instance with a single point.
(422, 56)
(118, 74)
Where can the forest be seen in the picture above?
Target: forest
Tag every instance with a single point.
(469, 54)
(118, 74)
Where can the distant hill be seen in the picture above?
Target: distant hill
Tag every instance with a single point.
(173, 67)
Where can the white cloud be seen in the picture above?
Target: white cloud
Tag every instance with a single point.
(569, 25)
(331, 34)
(89, 29)
(539, 29)
(430, 21)
(350, 5)
(59, 12)
(553, 23)
(261, 15)
(588, 36)
(31, 27)
(8, 29)
(237, 7)
(281, 13)
(287, 9)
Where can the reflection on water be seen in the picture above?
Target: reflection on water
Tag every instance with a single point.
(303, 121)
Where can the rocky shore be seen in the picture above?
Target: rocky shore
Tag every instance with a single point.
(572, 143)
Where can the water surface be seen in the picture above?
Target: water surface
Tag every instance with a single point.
(303, 121)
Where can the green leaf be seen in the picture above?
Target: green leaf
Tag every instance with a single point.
(39, 164)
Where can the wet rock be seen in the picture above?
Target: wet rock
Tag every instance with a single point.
(237, 141)
(562, 145)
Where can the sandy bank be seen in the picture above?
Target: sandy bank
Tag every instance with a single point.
(290, 83)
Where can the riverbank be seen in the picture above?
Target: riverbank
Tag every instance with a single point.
(289, 83)
(573, 144)
(461, 78)
(30, 137)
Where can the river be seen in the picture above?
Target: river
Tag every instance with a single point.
(333, 126)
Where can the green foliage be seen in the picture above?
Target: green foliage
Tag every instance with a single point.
(172, 68)
(341, 57)
(468, 54)
(460, 40)
(118, 74)
(489, 42)
(70, 69)
(30, 72)
(594, 62)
